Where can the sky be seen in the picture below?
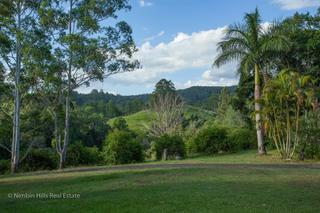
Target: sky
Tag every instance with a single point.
(177, 40)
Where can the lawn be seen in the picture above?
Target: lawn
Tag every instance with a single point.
(216, 189)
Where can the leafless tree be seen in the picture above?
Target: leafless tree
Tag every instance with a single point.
(169, 114)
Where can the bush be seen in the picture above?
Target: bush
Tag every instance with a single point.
(210, 140)
(122, 147)
(217, 139)
(4, 166)
(80, 155)
(312, 151)
(120, 124)
(241, 139)
(309, 146)
(40, 159)
(174, 145)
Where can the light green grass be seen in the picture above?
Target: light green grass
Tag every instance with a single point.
(138, 121)
(169, 190)
(141, 120)
(246, 157)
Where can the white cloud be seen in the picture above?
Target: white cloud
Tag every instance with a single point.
(154, 36)
(185, 51)
(297, 4)
(224, 76)
(145, 3)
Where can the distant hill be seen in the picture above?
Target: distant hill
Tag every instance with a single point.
(138, 121)
(200, 94)
(195, 96)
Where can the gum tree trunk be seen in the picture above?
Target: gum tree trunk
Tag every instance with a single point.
(16, 115)
(67, 115)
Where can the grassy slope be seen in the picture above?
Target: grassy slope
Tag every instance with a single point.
(216, 189)
(140, 120)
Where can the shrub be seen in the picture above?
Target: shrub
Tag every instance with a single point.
(174, 145)
(81, 155)
(312, 151)
(217, 139)
(210, 140)
(40, 159)
(120, 124)
(241, 139)
(4, 166)
(309, 146)
(122, 147)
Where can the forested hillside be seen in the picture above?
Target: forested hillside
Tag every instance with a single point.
(205, 97)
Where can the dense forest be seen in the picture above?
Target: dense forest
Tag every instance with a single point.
(203, 96)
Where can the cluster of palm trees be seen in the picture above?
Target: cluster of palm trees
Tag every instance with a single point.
(257, 46)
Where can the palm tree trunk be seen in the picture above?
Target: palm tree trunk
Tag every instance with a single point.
(257, 106)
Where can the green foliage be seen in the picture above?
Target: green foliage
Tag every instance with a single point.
(164, 87)
(309, 146)
(209, 141)
(231, 118)
(39, 159)
(285, 99)
(4, 166)
(219, 139)
(174, 145)
(81, 155)
(242, 139)
(122, 147)
(303, 31)
(120, 124)
(226, 114)
(224, 102)
(88, 126)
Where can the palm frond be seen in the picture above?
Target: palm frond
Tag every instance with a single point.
(227, 56)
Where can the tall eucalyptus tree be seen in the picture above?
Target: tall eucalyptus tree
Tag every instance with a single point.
(21, 50)
(90, 44)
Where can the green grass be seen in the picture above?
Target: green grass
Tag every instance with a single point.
(140, 120)
(169, 190)
(195, 189)
(246, 157)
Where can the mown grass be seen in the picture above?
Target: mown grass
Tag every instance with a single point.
(249, 156)
(169, 190)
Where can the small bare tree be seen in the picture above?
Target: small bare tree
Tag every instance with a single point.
(169, 114)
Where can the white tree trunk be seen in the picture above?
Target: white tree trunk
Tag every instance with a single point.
(16, 114)
(257, 106)
(67, 115)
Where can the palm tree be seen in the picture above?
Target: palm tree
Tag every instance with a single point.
(250, 44)
(285, 99)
